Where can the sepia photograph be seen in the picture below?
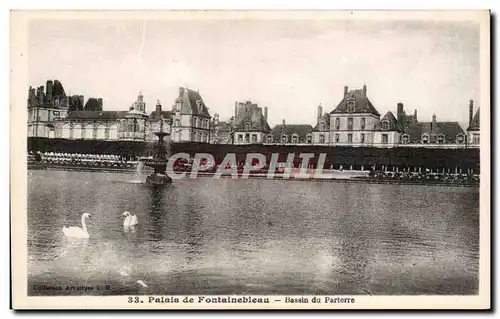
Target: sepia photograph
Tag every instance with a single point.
(250, 159)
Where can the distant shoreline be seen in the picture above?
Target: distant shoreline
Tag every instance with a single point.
(277, 176)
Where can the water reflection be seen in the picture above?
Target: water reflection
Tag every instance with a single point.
(253, 236)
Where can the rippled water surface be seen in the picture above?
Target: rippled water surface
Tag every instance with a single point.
(251, 236)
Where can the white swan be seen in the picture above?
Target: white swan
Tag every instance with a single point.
(78, 232)
(130, 220)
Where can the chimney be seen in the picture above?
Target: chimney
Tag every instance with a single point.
(415, 116)
(471, 110)
(283, 122)
(99, 102)
(49, 89)
(265, 113)
(320, 111)
(216, 119)
(181, 92)
(158, 109)
(434, 118)
(400, 112)
(235, 111)
(345, 90)
(364, 89)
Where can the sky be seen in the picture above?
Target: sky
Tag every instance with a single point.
(290, 66)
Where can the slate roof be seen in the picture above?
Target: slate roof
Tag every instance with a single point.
(362, 104)
(192, 103)
(96, 115)
(450, 130)
(474, 125)
(166, 115)
(393, 123)
(289, 129)
(251, 113)
(326, 120)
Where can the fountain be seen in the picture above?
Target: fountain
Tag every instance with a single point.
(159, 160)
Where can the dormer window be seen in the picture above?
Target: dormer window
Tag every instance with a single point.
(309, 138)
(460, 139)
(295, 138)
(405, 139)
(440, 138)
(248, 126)
(269, 138)
(350, 106)
(425, 138)
(322, 126)
(385, 125)
(283, 138)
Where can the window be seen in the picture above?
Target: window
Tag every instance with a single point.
(195, 136)
(349, 124)
(254, 138)
(269, 138)
(247, 138)
(405, 139)
(460, 139)
(247, 126)
(283, 138)
(349, 138)
(350, 106)
(475, 138)
(425, 138)
(337, 123)
(56, 113)
(440, 138)
(177, 122)
(295, 138)
(178, 106)
(385, 138)
(322, 138)
(363, 123)
(337, 138)
(362, 137)
(240, 137)
(321, 126)
(309, 139)
(385, 125)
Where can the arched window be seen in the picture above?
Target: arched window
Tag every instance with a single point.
(283, 138)
(113, 132)
(405, 139)
(295, 138)
(460, 139)
(309, 138)
(65, 131)
(89, 132)
(101, 132)
(385, 125)
(77, 131)
(269, 138)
